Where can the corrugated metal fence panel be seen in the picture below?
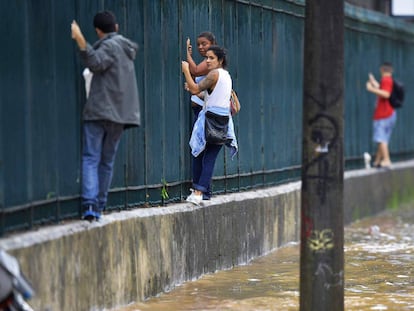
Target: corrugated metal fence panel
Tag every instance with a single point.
(41, 153)
(14, 111)
(42, 95)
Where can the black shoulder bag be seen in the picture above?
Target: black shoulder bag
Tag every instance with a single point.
(216, 128)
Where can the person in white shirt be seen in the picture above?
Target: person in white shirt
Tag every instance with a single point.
(216, 87)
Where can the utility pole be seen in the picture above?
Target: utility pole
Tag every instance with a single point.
(322, 237)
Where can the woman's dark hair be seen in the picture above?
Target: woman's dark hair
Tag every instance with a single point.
(220, 53)
(209, 36)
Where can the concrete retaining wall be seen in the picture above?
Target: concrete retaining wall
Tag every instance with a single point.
(132, 255)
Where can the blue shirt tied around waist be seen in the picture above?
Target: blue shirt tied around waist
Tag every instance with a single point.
(198, 140)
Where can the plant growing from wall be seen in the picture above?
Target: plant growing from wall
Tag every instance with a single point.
(164, 192)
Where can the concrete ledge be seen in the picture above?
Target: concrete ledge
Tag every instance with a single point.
(132, 255)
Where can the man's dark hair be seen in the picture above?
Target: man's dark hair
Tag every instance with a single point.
(105, 21)
(387, 67)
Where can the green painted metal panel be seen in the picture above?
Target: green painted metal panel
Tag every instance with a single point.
(14, 122)
(42, 96)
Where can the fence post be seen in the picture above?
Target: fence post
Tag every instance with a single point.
(322, 255)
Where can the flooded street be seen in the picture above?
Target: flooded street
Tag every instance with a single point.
(379, 256)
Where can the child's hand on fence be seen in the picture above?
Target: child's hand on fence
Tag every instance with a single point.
(189, 47)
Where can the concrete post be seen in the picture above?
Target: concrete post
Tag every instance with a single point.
(322, 256)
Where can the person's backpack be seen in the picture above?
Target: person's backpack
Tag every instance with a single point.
(397, 94)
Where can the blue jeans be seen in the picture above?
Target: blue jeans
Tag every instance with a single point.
(203, 167)
(100, 143)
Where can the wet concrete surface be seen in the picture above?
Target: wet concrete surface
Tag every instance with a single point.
(379, 274)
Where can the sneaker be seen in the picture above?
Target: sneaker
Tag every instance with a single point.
(88, 213)
(194, 198)
(91, 213)
(98, 213)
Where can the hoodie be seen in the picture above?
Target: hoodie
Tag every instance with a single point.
(113, 93)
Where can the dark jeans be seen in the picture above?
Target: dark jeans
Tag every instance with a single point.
(100, 143)
(196, 110)
(203, 167)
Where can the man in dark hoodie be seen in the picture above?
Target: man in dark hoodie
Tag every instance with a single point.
(111, 107)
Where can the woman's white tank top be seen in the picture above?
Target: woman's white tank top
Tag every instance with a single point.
(220, 97)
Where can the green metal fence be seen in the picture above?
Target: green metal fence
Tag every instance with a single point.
(42, 97)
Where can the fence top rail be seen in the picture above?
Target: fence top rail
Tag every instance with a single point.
(377, 19)
(372, 21)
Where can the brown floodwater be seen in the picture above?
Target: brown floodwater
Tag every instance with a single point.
(379, 274)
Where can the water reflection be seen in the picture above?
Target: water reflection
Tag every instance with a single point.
(379, 275)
